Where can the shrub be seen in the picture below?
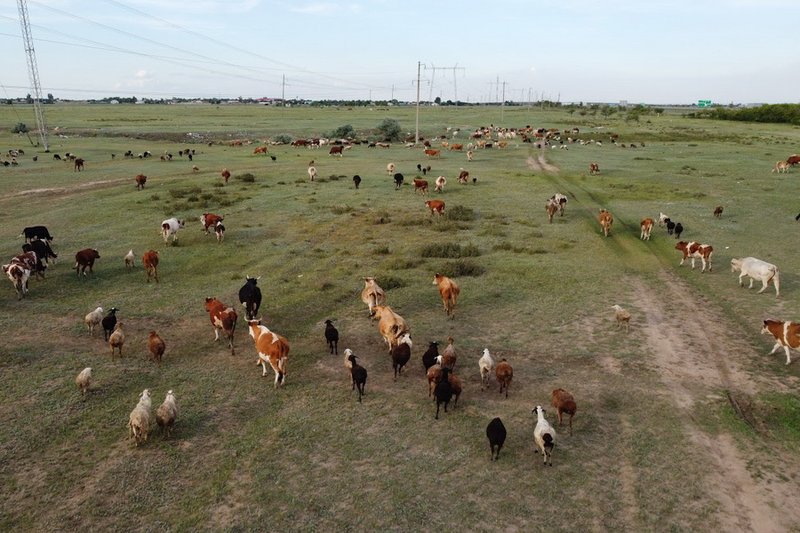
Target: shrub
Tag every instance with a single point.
(343, 132)
(246, 177)
(461, 213)
(389, 129)
(390, 282)
(461, 268)
(283, 139)
(450, 250)
(341, 209)
(21, 127)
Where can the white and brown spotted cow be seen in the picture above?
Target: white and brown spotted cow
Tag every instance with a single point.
(647, 227)
(786, 333)
(695, 250)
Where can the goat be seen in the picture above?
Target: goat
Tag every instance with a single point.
(156, 347)
(430, 355)
(401, 354)
(486, 366)
(116, 339)
(544, 435)
(622, 316)
(564, 402)
(359, 375)
(332, 336)
(504, 374)
(139, 419)
(496, 433)
(93, 319)
(443, 392)
(166, 414)
(84, 381)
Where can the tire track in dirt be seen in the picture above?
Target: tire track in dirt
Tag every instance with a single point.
(693, 352)
(68, 190)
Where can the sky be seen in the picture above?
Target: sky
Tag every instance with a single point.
(652, 52)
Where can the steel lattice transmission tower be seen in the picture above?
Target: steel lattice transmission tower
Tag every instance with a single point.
(33, 72)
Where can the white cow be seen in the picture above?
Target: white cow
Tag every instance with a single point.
(757, 269)
(662, 219)
(171, 227)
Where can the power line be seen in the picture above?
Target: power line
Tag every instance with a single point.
(33, 72)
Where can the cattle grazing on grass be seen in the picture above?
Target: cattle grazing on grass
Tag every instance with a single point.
(336, 150)
(150, 263)
(219, 231)
(695, 250)
(606, 221)
(756, 269)
(441, 181)
(209, 220)
(42, 249)
(781, 167)
(420, 186)
(260, 150)
(436, 206)
(560, 201)
(449, 291)
(433, 153)
(36, 232)
(30, 260)
(226, 175)
(223, 318)
(78, 164)
(85, 259)
(594, 168)
(271, 348)
(463, 176)
(332, 337)
(793, 159)
(356, 180)
(646, 226)
(141, 179)
(398, 180)
(718, 211)
(786, 333)
(170, 227)
(250, 297)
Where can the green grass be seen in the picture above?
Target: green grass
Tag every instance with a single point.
(308, 456)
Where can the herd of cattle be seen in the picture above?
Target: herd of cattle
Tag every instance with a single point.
(273, 349)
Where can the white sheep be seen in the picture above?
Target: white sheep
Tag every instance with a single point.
(544, 435)
(441, 181)
(84, 380)
(129, 259)
(93, 318)
(139, 419)
(622, 316)
(312, 172)
(486, 365)
(348, 364)
(390, 168)
(166, 414)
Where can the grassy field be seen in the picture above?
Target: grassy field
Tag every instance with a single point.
(656, 446)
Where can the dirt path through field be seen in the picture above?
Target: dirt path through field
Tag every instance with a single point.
(539, 164)
(695, 356)
(81, 187)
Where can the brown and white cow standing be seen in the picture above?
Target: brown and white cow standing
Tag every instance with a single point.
(786, 333)
(150, 262)
(272, 348)
(606, 220)
(695, 250)
(222, 318)
(647, 227)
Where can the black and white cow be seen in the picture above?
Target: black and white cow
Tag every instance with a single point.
(42, 248)
(36, 232)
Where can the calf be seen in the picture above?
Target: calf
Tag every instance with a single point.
(695, 250)
(441, 181)
(78, 164)
(678, 230)
(209, 220)
(271, 348)
(551, 208)
(36, 232)
(141, 179)
(786, 333)
(420, 186)
(594, 168)
(18, 275)
(561, 201)
(250, 297)
(449, 291)
(718, 211)
(756, 269)
(223, 318)
(150, 262)
(647, 226)
(85, 259)
(606, 220)
(170, 227)
(219, 231)
(226, 175)
(356, 180)
(436, 206)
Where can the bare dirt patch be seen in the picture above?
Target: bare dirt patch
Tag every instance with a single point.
(539, 164)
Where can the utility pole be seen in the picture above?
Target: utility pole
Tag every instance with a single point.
(416, 134)
(496, 88)
(503, 103)
(283, 90)
(33, 72)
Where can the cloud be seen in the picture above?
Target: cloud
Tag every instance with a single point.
(325, 8)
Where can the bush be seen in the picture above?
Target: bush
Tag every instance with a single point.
(389, 130)
(388, 283)
(343, 132)
(450, 250)
(246, 177)
(461, 268)
(459, 212)
(21, 127)
(283, 139)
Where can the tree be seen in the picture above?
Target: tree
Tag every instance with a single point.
(389, 129)
(343, 132)
(437, 100)
(50, 98)
(21, 127)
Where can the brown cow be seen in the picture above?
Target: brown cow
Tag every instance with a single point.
(141, 179)
(420, 186)
(78, 164)
(551, 208)
(793, 159)
(260, 150)
(85, 259)
(150, 262)
(222, 318)
(433, 153)
(695, 250)
(457, 147)
(336, 150)
(647, 226)
(156, 346)
(436, 206)
(718, 211)
(594, 168)
(449, 291)
(271, 348)
(786, 333)
(606, 221)
(226, 175)
(209, 220)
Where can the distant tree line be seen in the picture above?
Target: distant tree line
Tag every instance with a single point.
(774, 113)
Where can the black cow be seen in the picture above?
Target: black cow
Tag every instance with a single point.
(678, 230)
(250, 296)
(109, 322)
(356, 180)
(36, 232)
(42, 248)
(398, 180)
